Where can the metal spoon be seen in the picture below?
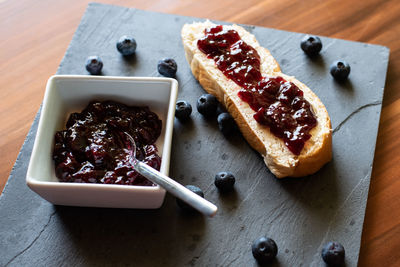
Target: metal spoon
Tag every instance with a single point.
(175, 188)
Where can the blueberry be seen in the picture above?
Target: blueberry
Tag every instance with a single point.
(340, 70)
(226, 123)
(94, 64)
(333, 254)
(183, 110)
(220, 109)
(126, 45)
(224, 181)
(167, 67)
(311, 45)
(264, 250)
(207, 105)
(183, 205)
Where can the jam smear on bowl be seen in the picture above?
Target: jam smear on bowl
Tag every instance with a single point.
(95, 149)
(278, 104)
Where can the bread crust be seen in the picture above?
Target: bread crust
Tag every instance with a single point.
(280, 161)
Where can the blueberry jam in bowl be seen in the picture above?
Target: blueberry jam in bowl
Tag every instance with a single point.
(102, 179)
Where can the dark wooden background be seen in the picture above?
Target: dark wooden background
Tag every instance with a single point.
(35, 34)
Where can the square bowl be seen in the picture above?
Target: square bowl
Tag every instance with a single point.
(71, 93)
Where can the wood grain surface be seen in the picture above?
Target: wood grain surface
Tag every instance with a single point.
(35, 35)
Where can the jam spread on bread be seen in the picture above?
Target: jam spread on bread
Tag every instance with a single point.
(95, 149)
(278, 104)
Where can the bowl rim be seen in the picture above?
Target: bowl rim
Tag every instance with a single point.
(32, 182)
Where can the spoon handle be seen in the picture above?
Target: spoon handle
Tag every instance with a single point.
(176, 189)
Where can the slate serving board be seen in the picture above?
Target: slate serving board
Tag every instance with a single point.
(299, 214)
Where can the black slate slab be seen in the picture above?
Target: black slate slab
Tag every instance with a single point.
(300, 214)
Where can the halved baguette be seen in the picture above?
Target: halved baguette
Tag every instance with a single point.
(279, 159)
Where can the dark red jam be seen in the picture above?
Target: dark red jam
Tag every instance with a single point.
(95, 149)
(279, 104)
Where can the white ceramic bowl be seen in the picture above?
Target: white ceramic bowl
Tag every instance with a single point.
(66, 94)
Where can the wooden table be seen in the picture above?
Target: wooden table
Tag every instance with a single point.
(35, 35)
